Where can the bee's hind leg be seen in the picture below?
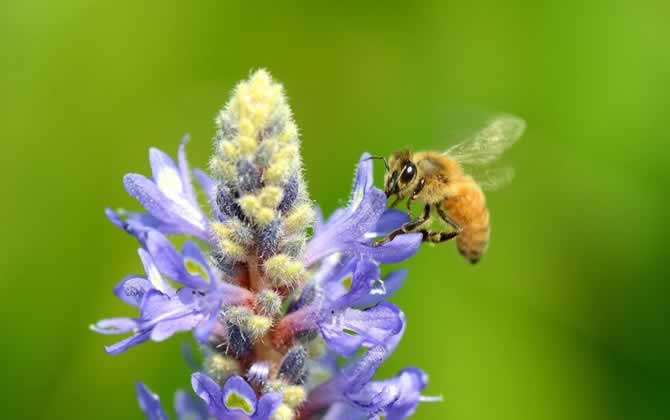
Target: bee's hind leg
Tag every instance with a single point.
(437, 237)
(408, 227)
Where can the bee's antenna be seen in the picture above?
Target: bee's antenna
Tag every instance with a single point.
(386, 164)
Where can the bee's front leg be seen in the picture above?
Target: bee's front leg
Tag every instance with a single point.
(417, 190)
(408, 227)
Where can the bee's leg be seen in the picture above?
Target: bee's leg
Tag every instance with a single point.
(436, 237)
(444, 216)
(408, 227)
(416, 192)
(409, 205)
(395, 202)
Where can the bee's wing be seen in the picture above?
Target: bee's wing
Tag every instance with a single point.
(493, 179)
(489, 143)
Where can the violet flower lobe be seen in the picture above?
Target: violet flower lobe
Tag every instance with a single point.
(271, 307)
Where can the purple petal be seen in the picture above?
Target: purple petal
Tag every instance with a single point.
(184, 171)
(376, 324)
(210, 392)
(129, 342)
(267, 405)
(339, 341)
(382, 290)
(134, 224)
(111, 326)
(165, 174)
(191, 251)
(399, 249)
(390, 220)
(170, 262)
(241, 389)
(149, 403)
(175, 211)
(115, 218)
(341, 410)
(397, 397)
(346, 331)
(319, 223)
(131, 289)
(344, 233)
(365, 273)
(151, 270)
(205, 181)
(148, 194)
(204, 328)
(187, 407)
(362, 180)
(166, 329)
(359, 372)
(165, 255)
(374, 402)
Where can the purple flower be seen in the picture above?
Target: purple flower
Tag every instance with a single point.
(186, 407)
(352, 393)
(264, 302)
(235, 400)
(351, 230)
(165, 310)
(150, 403)
(168, 198)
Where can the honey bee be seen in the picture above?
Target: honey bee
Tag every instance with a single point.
(444, 181)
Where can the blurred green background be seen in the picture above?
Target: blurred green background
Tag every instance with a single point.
(565, 318)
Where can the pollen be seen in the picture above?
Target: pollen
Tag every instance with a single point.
(250, 205)
(232, 249)
(268, 303)
(220, 367)
(253, 207)
(247, 127)
(301, 217)
(278, 172)
(284, 270)
(271, 196)
(237, 315)
(258, 326)
(283, 412)
(294, 395)
(221, 230)
(289, 134)
(229, 151)
(265, 216)
(225, 169)
(247, 145)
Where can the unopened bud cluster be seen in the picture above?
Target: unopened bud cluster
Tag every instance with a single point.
(263, 213)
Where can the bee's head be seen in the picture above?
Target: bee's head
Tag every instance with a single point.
(401, 173)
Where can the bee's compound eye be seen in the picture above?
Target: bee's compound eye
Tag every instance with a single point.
(408, 173)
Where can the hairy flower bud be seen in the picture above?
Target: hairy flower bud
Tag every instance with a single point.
(294, 366)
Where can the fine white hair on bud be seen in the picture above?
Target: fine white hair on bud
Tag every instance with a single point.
(219, 367)
(268, 303)
(283, 270)
(261, 199)
(294, 395)
(283, 412)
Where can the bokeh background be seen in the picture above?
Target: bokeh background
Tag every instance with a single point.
(565, 318)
